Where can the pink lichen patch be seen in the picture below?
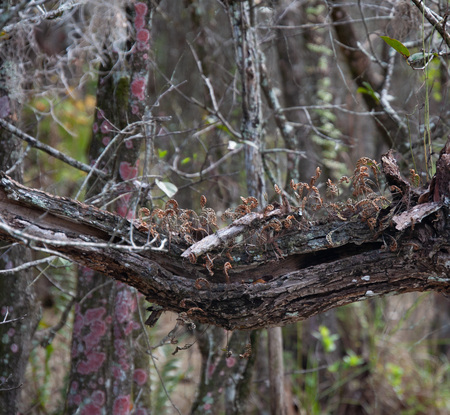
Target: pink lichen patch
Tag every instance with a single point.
(123, 209)
(98, 329)
(129, 328)
(231, 361)
(207, 406)
(108, 320)
(134, 109)
(143, 35)
(76, 399)
(127, 171)
(78, 323)
(91, 409)
(124, 365)
(106, 140)
(122, 405)
(106, 127)
(140, 376)
(120, 347)
(211, 369)
(95, 128)
(140, 8)
(129, 144)
(98, 398)
(118, 373)
(141, 411)
(14, 348)
(94, 314)
(142, 46)
(145, 56)
(11, 332)
(74, 387)
(138, 87)
(139, 22)
(125, 305)
(94, 362)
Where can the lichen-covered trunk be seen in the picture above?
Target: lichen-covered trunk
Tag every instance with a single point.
(18, 309)
(106, 371)
(224, 374)
(249, 59)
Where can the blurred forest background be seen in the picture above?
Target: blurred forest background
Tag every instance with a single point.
(157, 95)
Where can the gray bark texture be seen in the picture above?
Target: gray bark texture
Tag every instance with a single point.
(254, 280)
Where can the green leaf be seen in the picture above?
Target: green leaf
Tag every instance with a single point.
(398, 46)
(186, 160)
(367, 89)
(168, 188)
(333, 368)
(161, 153)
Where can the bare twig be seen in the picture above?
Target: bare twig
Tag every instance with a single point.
(27, 265)
(213, 166)
(434, 19)
(30, 240)
(52, 14)
(46, 336)
(50, 150)
(149, 352)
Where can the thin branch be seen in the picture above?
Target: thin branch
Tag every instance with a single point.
(213, 166)
(434, 19)
(30, 240)
(149, 352)
(46, 336)
(27, 265)
(50, 150)
(53, 14)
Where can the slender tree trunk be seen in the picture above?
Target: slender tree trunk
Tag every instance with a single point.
(103, 353)
(19, 313)
(249, 60)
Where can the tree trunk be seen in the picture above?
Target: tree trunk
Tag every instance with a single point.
(103, 351)
(19, 313)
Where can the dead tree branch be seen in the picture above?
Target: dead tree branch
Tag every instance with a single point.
(298, 272)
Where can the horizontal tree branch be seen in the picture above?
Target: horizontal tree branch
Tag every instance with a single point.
(250, 275)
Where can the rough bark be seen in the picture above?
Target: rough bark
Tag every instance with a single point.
(248, 60)
(18, 308)
(314, 266)
(235, 374)
(106, 315)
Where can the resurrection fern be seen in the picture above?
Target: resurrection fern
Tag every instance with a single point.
(187, 226)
